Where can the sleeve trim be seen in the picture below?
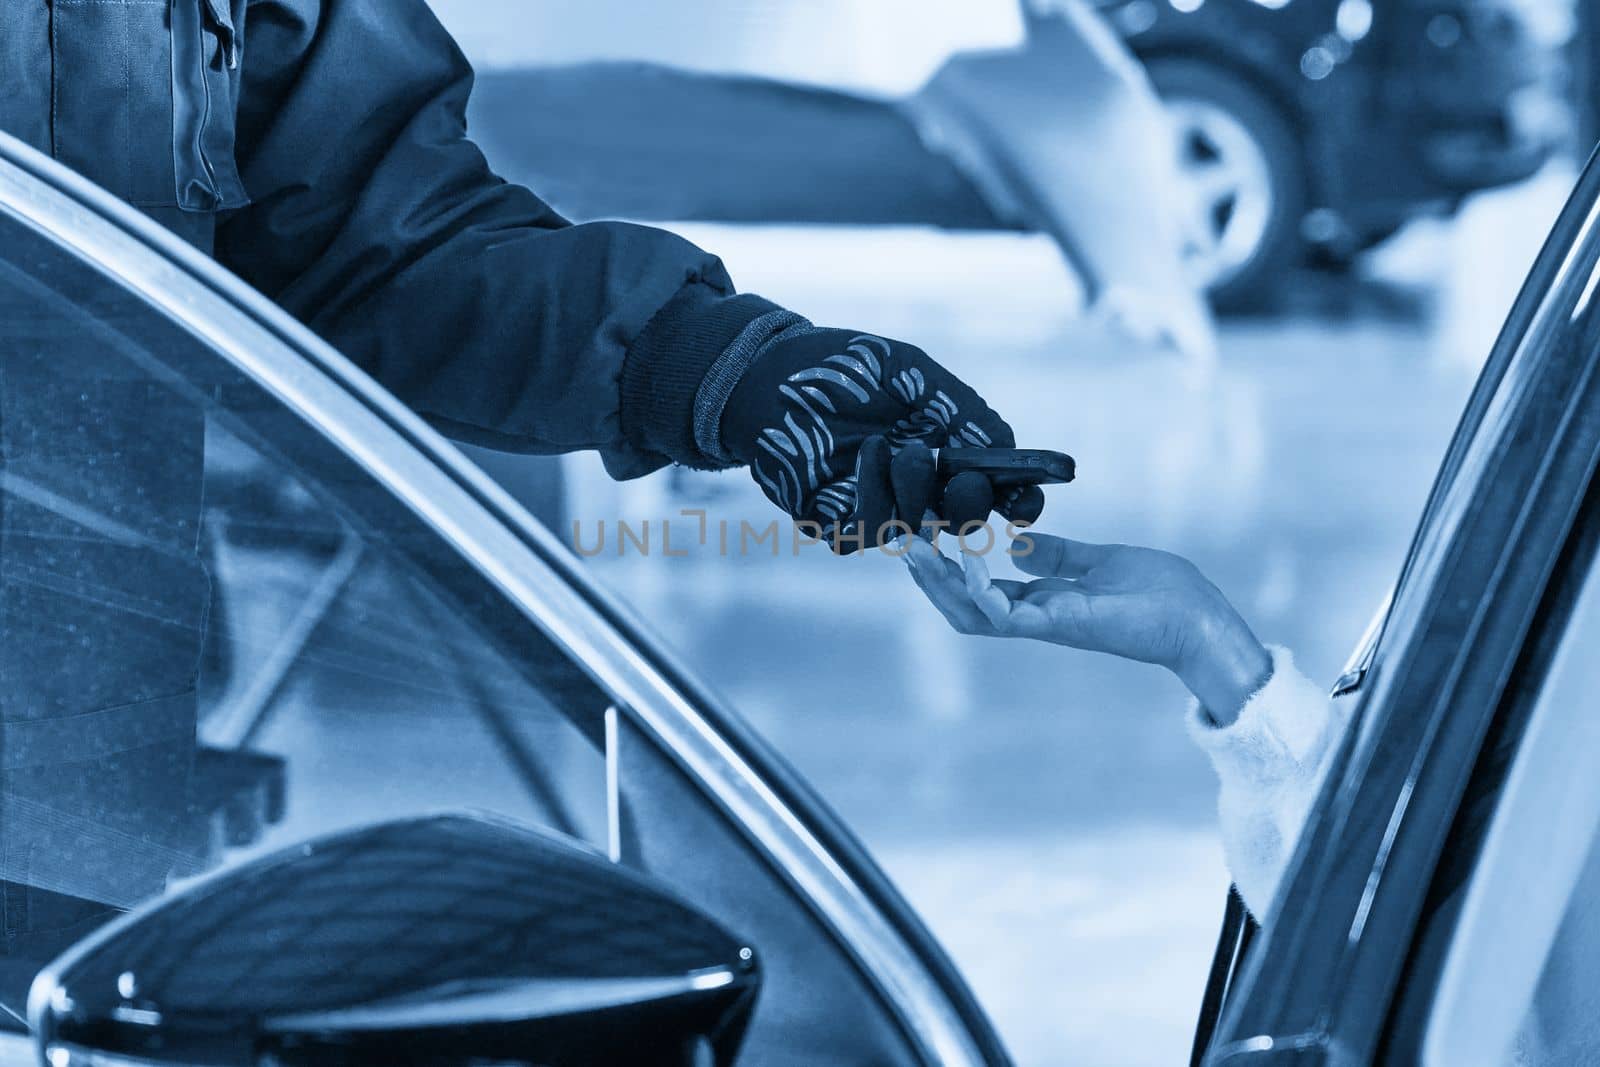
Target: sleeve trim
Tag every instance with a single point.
(1280, 732)
(666, 364)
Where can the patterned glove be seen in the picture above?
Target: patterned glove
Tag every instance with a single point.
(836, 428)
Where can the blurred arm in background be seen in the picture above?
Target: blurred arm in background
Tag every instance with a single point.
(377, 222)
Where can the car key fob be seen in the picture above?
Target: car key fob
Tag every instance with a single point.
(1005, 468)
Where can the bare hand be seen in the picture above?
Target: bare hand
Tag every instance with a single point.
(1137, 603)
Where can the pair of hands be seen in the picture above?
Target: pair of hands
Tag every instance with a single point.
(837, 429)
(1137, 603)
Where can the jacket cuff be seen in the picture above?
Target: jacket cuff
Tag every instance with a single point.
(667, 362)
(1281, 732)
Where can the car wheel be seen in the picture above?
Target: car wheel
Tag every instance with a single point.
(1247, 170)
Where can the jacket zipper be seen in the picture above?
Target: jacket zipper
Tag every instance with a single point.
(227, 48)
(200, 141)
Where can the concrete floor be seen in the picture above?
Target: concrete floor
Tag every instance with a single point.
(1043, 808)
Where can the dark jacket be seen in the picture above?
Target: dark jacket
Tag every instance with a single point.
(319, 148)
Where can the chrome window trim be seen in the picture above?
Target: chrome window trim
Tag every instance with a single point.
(509, 548)
(1360, 661)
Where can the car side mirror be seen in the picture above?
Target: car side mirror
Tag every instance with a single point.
(451, 939)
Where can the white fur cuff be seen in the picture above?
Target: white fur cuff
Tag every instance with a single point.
(1280, 733)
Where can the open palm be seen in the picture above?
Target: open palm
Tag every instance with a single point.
(1137, 603)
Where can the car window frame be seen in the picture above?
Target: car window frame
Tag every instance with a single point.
(743, 777)
(1318, 985)
(1475, 913)
(1547, 269)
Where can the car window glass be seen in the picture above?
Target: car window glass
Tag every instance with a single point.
(1554, 291)
(1517, 890)
(1524, 973)
(215, 634)
(1562, 1021)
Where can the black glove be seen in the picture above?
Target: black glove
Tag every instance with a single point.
(836, 428)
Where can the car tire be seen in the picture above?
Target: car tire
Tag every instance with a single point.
(1249, 166)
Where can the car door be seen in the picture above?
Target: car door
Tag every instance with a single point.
(246, 598)
(1375, 947)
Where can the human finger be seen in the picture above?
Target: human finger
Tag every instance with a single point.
(941, 582)
(990, 599)
(911, 474)
(874, 493)
(1057, 557)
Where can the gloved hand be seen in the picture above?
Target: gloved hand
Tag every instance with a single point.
(836, 427)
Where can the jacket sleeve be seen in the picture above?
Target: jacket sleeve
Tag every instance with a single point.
(1270, 762)
(374, 220)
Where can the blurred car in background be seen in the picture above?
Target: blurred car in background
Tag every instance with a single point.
(1308, 130)
(1585, 59)
(1321, 126)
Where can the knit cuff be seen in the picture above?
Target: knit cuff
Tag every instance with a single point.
(666, 364)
